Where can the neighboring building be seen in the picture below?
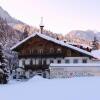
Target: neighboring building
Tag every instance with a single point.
(38, 51)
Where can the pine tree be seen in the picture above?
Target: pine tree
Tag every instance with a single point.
(95, 44)
(25, 33)
(3, 67)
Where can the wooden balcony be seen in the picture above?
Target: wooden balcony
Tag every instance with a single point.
(36, 67)
(41, 55)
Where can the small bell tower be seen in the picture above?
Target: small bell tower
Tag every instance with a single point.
(41, 25)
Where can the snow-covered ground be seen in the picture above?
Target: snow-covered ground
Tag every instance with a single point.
(52, 89)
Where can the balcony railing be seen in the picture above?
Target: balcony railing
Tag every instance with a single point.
(41, 55)
(36, 67)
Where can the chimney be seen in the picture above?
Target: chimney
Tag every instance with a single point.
(41, 25)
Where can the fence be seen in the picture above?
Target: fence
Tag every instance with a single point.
(74, 70)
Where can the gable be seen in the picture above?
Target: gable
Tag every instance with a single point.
(37, 39)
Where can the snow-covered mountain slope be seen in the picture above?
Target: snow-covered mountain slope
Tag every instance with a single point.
(82, 37)
(8, 35)
(5, 15)
(52, 89)
(86, 35)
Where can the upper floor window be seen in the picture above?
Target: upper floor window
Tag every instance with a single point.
(51, 50)
(75, 61)
(59, 50)
(40, 51)
(40, 61)
(84, 61)
(44, 62)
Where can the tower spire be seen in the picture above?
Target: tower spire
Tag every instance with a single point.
(41, 25)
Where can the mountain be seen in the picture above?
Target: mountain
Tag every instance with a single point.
(8, 35)
(86, 35)
(78, 36)
(11, 21)
(82, 37)
(13, 27)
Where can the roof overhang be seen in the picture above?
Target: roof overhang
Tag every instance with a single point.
(52, 40)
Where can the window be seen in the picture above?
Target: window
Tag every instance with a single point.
(51, 50)
(67, 61)
(84, 60)
(59, 61)
(75, 61)
(59, 50)
(40, 61)
(40, 51)
(51, 61)
(44, 62)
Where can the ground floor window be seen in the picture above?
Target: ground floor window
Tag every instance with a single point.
(59, 61)
(84, 61)
(75, 61)
(67, 61)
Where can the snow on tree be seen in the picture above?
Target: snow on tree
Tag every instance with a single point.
(3, 67)
(95, 44)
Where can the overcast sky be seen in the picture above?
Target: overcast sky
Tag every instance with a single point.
(60, 16)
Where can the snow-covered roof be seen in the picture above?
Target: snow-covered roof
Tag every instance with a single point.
(75, 65)
(96, 53)
(83, 45)
(53, 40)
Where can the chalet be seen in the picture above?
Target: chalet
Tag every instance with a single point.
(38, 51)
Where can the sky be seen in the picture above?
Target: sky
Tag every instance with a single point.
(60, 16)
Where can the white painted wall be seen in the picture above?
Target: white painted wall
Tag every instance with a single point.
(27, 61)
(21, 63)
(33, 60)
(55, 60)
